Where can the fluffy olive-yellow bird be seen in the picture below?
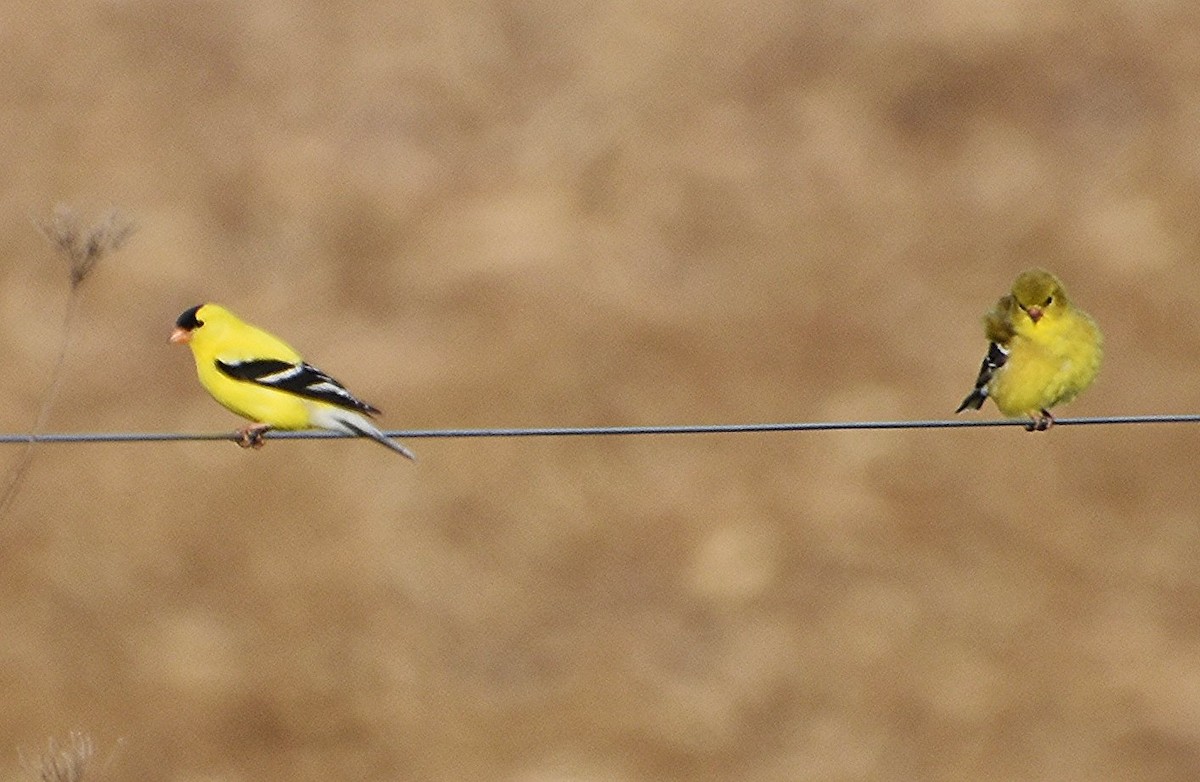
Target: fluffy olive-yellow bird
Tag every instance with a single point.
(260, 377)
(1043, 351)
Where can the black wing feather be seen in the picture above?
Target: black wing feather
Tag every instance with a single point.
(995, 358)
(301, 379)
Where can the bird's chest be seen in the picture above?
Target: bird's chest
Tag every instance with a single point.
(1036, 372)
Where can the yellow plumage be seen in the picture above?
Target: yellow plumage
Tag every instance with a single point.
(1044, 350)
(260, 377)
(227, 339)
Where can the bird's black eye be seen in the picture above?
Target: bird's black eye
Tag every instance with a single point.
(1049, 299)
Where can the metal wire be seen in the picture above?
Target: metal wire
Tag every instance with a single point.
(580, 431)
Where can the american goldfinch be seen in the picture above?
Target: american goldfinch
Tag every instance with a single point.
(1043, 351)
(260, 377)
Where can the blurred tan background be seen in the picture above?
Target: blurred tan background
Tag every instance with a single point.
(564, 213)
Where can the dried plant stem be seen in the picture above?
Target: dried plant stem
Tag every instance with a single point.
(17, 475)
(82, 249)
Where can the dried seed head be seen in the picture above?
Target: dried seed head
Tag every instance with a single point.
(83, 248)
(63, 762)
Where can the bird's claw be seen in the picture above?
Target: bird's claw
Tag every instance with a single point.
(1040, 422)
(252, 436)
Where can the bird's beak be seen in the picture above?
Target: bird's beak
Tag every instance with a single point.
(180, 336)
(1035, 313)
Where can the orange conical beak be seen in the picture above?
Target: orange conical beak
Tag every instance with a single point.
(1035, 313)
(180, 336)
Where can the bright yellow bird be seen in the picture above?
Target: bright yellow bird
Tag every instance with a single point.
(1043, 352)
(260, 377)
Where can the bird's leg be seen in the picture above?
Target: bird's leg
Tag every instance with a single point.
(1039, 421)
(1046, 422)
(252, 436)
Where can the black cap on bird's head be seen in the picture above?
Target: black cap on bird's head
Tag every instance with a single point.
(185, 324)
(188, 319)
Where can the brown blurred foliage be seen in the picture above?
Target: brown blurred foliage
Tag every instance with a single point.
(575, 213)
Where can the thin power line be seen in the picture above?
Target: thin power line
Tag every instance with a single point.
(580, 431)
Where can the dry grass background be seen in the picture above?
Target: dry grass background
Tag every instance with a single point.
(606, 213)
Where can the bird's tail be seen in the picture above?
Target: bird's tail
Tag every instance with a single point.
(974, 400)
(355, 423)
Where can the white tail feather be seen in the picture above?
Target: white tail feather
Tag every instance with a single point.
(355, 423)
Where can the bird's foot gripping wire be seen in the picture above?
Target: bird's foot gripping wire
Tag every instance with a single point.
(1040, 421)
(252, 436)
